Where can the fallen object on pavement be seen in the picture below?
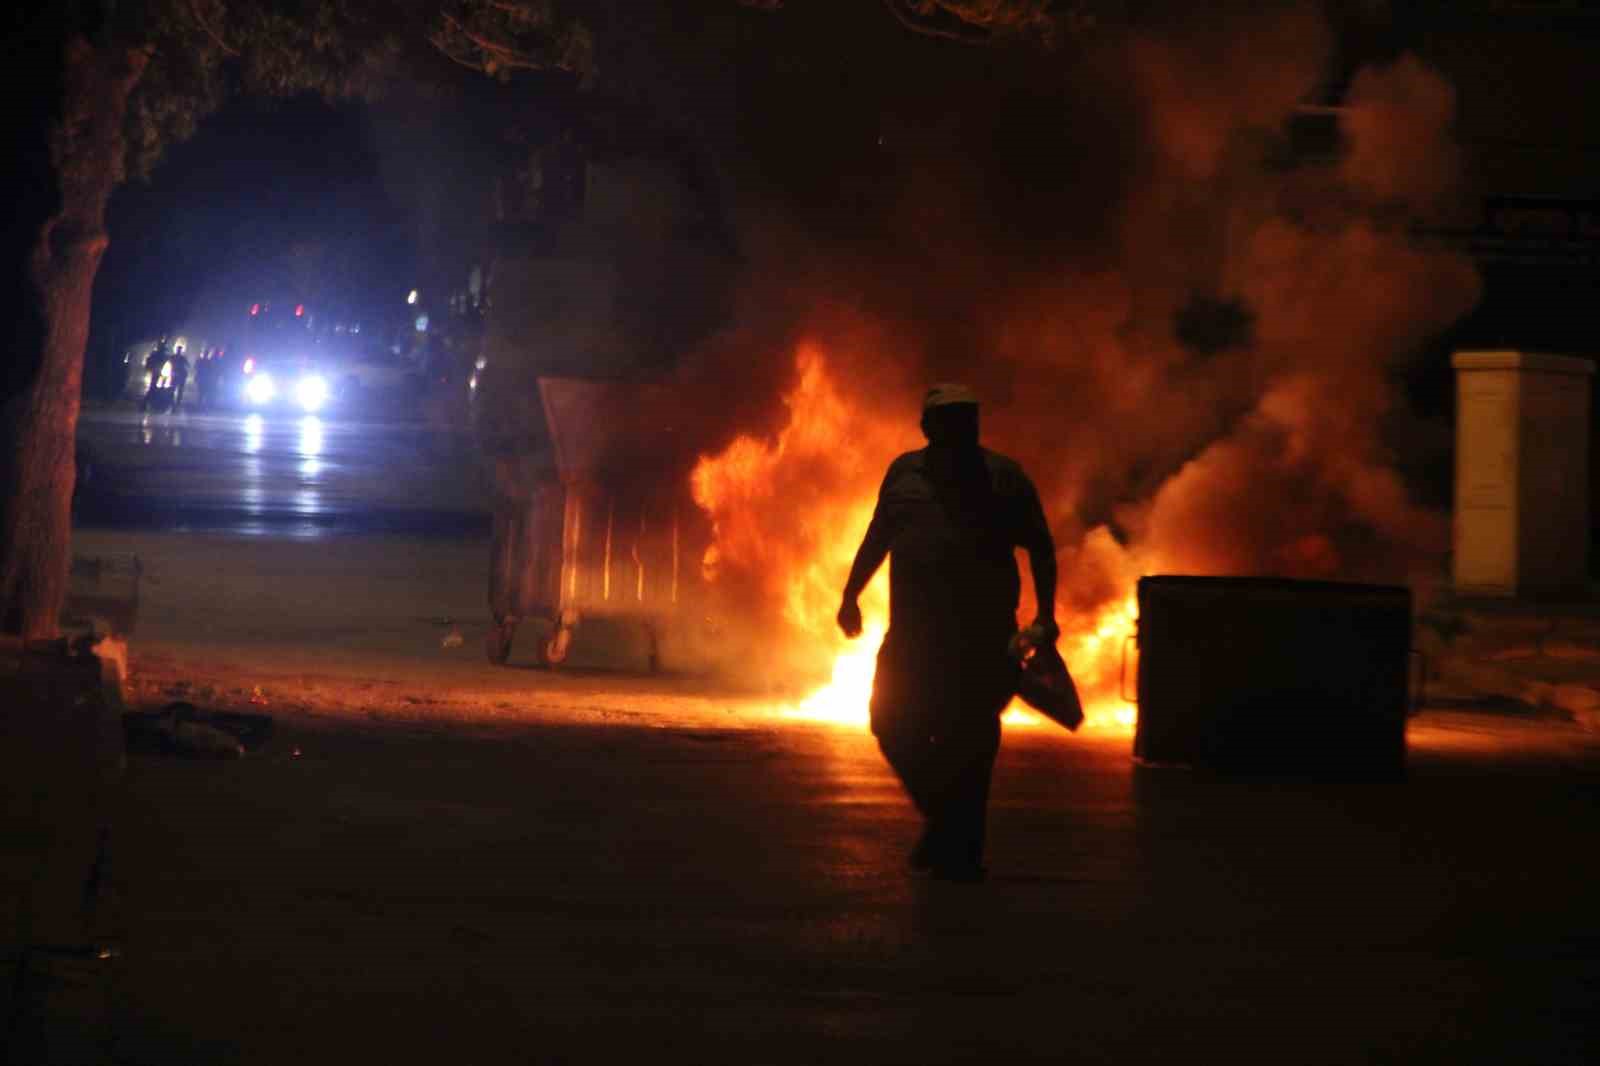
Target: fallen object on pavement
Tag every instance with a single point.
(180, 728)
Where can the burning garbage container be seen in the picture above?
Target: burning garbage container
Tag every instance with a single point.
(1266, 674)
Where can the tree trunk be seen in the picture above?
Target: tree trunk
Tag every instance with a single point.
(40, 419)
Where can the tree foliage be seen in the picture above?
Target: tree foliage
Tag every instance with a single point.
(980, 22)
(500, 37)
(977, 21)
(201, 51)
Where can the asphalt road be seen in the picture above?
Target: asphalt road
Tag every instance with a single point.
(277, 474)
(383, 891)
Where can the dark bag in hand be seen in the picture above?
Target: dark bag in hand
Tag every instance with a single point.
(1045, 685)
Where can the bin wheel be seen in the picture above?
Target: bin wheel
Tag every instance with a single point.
(498, 643)
(556, 648)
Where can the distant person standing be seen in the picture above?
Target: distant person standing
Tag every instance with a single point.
(152, 368)
(180, 376)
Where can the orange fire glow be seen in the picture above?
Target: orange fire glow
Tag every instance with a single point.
(788, 512)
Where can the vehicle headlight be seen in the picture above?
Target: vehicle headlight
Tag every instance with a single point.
(260, 389)
(311, 392)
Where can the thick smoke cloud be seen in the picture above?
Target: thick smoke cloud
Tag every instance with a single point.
(1398, 124)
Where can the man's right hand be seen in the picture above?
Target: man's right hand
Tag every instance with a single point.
(850, 619)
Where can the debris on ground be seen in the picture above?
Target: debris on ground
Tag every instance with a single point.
(453, 639)
(181, 728)
(1541, 657)
(204, 741)
(256, 697)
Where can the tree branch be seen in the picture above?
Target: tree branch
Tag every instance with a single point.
(517, 9)
(438, 41)
(473, 49)
(505, 53)
(914, 16)
(204, 24)
(982, 22)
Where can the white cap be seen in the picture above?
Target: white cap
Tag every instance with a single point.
(947, 394)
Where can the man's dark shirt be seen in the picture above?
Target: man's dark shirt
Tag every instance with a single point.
(951, 520)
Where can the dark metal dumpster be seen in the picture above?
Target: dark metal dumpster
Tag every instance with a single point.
(1273, 675)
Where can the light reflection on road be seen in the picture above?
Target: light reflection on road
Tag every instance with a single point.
(252, 434)
(280, 472)
(311, 436)
(307, 499)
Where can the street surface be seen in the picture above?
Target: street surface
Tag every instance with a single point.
(664, 892)
(277, 474)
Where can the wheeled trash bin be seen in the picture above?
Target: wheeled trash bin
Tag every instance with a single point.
(604, 528)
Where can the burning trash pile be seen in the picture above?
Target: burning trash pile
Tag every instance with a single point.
(1211, 390)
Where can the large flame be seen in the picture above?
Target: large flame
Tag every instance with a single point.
(788, 512)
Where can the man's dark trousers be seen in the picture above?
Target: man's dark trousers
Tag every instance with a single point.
(947, 777)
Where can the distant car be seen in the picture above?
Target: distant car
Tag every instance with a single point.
(371, 382)
(284, 383)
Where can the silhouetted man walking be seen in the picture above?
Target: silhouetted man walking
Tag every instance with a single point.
(950, 517)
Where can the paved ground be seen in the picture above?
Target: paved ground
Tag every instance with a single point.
(340, 624)
(277, 474)
(514, 866)
(671, 893)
